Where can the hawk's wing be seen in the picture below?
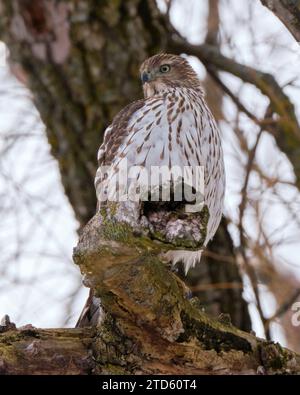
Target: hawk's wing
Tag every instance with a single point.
(159, 130)
(114, 136)
(116, 132)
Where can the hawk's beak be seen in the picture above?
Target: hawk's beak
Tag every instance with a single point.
(146, 77)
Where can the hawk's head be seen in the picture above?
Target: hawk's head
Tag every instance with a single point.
(165, 70)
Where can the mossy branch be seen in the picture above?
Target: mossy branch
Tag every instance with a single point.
(148, 320)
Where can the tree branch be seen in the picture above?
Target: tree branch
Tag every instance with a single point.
(288, 12)
(146, 303)
(148, 326)
(46, 351)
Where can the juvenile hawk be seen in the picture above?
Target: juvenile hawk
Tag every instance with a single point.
(171, 126)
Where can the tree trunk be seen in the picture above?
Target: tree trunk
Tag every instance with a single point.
(81, 59)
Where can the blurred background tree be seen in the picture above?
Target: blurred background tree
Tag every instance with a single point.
(80, 61)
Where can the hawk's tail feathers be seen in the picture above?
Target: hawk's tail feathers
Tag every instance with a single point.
(188, 258)
(92, 313)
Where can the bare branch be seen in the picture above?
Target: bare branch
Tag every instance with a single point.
(288, 12)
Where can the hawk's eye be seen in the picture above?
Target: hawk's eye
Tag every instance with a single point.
(164, 68)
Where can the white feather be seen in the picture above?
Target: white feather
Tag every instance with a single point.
(188, 258)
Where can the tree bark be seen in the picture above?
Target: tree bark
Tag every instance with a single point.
(46, 351)
(148, 325)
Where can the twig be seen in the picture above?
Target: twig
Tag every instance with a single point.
(283, 308)
(249, 269)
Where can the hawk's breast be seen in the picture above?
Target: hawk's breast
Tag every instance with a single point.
(173, 128)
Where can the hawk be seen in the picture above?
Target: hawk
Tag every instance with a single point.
(171, 126)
